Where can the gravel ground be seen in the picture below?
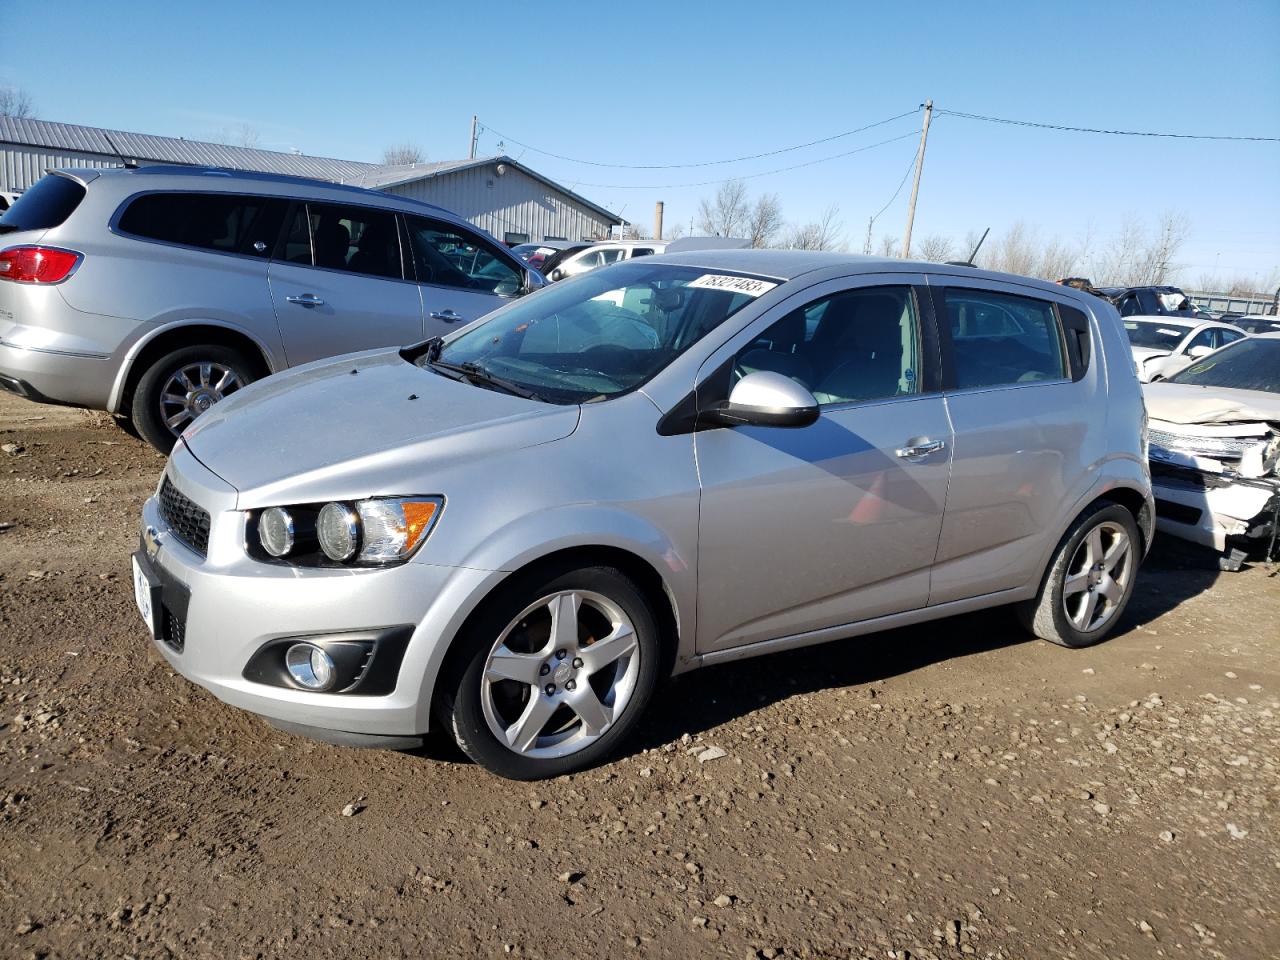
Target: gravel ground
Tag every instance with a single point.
(942, 791)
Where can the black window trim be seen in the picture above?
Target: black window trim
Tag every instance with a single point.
(510, 259)
(113, 225)
(940, 283)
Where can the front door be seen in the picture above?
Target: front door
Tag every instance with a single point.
(461, 277)
(338, 283)
(807, 528)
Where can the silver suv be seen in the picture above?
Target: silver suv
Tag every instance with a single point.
(517, 530)
(154, 292)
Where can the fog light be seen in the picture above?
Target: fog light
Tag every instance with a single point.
(275, 531)
(309, 666)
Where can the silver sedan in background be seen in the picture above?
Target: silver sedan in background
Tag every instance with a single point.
(518, 530)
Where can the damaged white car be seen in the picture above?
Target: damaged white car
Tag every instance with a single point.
(1214, 433)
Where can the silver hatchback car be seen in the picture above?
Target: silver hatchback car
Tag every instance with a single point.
(154, 292)
(516, 531)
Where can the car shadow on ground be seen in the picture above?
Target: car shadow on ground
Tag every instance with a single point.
(703, 699)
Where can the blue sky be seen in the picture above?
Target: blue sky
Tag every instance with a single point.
(662, 82)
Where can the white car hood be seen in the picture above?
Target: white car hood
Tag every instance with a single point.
(361, 425)
(1190, 403)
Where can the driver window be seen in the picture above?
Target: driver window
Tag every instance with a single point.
(445, 256)
(853, 346)
(1202, 339)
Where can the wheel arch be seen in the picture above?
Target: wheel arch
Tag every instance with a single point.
(173, 337)
(652, 584)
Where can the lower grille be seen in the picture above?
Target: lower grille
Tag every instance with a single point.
(190, 521)
(173, 630)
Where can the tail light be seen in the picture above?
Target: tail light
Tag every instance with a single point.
(34, 264)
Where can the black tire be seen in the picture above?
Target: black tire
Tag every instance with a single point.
(1046, 616)
(461, 693)
(145, 409)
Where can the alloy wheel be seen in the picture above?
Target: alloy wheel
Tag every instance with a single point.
(560, 674)
(1097, 577)
(192, 389)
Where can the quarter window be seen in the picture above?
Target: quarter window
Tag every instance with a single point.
(445, 256)
(852, 346)
(999, 338)
(226, 222)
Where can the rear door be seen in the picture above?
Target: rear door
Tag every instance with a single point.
(460, 275)
(1026, 413)
(338, 282)
(806, 528)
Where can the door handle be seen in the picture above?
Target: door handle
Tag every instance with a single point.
(919, 450)
(448, 316)
(306, 300)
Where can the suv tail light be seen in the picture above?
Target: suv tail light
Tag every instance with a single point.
(33, 264)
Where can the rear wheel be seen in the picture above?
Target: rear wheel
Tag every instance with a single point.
(1089, 581)
(181, 385)
(554, 674)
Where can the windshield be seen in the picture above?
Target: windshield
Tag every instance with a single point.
(1148, 334)
(1244, 365)
(603, 333)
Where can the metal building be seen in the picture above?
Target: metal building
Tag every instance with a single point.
(510, 200)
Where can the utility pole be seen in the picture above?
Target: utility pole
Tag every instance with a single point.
(474, 130)
(915, 185)
(866, 247)
(657, 220)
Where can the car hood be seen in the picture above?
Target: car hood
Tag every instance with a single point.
(1142, 353)
(1190, 403)
(361, 425)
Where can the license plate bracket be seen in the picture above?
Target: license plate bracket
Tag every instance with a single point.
(146, 591)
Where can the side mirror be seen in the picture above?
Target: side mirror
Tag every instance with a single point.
(1199, 352)
(767, 399)
(556, 274)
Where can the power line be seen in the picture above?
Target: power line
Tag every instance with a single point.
(703, 163)
(1113, 133)
(747, 176)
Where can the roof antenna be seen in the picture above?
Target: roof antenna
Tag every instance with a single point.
(973, 256)
(128, 164)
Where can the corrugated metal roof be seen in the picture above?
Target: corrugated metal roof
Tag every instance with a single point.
(141, 146)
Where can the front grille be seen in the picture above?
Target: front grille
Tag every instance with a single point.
(1226, 448)
(189, 521)
(173, 629)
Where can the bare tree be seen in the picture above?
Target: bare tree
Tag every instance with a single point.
(936, 249)
(1134, 257)
(765, 222)
(16, 102)
(825, 233)
(673, 232)
(1057, 260)
(728, 214)
(403, 155)
(241, 135)
(1015, 251)
(889, 246)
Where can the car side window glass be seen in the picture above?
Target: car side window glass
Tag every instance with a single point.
(446, 256)
(1000, 338)
(852, 346)
(356, 239)
(1228, 336)
(226, 222)
(610, 256)
(1202, 339)
(1129, 306)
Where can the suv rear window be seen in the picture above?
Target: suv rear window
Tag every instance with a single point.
(209, 221)
(44, 206)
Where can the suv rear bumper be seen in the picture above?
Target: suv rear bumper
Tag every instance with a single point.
(48, 376)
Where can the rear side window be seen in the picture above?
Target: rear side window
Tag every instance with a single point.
(999, 338)
(44, 206)
(225, 222)
(337, 237)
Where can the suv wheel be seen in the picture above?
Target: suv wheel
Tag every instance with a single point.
(1090, 580)
(554, 674)
(180, 386)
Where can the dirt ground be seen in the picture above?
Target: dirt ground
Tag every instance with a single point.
(942, 791)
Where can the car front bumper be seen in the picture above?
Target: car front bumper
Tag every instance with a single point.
(1208, 510)
(225, 607)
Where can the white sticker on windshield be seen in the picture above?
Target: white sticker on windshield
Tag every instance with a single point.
(718, 281)
(1169, 333)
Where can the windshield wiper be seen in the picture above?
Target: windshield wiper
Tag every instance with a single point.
(478, 374)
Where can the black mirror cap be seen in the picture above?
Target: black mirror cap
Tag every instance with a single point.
(738, 414)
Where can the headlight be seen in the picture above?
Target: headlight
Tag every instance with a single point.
(372, 532)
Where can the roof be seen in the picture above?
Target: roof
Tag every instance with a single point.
(142, 146)
(393, 176)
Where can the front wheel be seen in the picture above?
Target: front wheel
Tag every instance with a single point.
(554, 673)
(1089, 581)
(181, 385)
